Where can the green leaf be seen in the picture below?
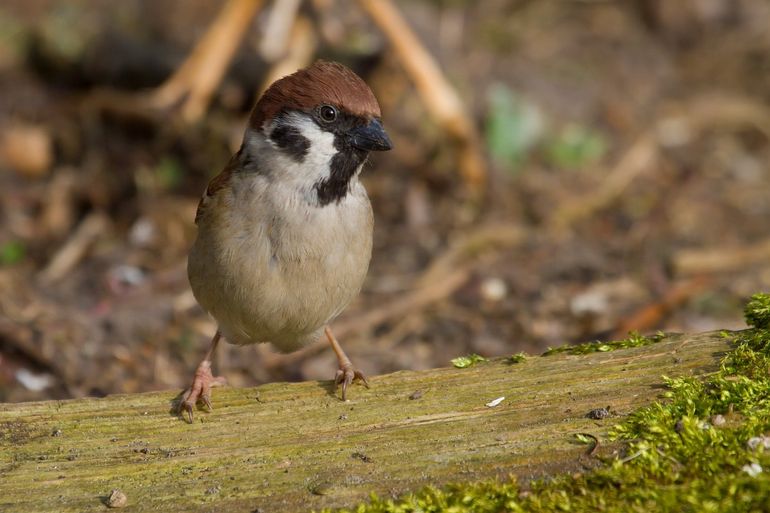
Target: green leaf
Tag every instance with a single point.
(169, 173)
(462, 362)
(583, 439)
(12, 252)
(575, 147)
(514, 126)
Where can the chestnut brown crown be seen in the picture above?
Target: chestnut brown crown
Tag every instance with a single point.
(321, 83)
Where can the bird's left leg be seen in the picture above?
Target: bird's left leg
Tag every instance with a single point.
(203, 381)
(346, 373)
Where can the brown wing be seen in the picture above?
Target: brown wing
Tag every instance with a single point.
(216, 184)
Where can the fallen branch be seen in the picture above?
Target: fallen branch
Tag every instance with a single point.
(297, 447)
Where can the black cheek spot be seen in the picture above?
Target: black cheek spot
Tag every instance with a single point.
(291, 141)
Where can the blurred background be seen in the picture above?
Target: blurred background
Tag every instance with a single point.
(606, 170)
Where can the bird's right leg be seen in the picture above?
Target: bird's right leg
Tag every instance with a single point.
(203, 382)
(346, 373)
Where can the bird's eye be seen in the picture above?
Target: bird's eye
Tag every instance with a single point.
(328, 113)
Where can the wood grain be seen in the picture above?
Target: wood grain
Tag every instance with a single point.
(296, 447)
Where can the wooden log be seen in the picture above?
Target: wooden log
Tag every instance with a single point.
(296, 447)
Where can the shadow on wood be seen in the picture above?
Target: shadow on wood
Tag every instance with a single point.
(294, 447)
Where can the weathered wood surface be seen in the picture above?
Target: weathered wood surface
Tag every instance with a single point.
(296, 447)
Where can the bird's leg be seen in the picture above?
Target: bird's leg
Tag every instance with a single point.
(346, 373)
(203, 381)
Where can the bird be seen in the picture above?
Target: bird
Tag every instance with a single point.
(285, 229)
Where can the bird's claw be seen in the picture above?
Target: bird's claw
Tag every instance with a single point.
(200, 390)
(345, 376)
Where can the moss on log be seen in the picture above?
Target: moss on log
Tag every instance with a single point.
(295, 447)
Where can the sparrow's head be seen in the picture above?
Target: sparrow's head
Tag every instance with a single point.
(317, 127)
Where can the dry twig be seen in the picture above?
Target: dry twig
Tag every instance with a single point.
(699, 114)
(722, 110)
(444, 277)
(279, 25)
(477, 242)
(68, 256)
(440, 98)
(713, 260)
(637, 159)
(299, 49)
(650, 316)
(202, 71)
(594, 446)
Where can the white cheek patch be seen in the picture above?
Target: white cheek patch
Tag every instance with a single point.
(321, 142)
(315, 163)
(323, 139)
(294, 153)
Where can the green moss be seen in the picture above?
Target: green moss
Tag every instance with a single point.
(757, 311)
(517, 358)
(462, 362)
(634, 340)
(704, 448)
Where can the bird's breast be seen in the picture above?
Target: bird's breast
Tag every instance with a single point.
(279, 270)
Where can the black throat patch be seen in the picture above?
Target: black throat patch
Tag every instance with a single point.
(344, 163)
(291, 141)
(343, 167)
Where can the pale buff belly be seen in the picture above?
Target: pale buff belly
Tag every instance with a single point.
(282, 292)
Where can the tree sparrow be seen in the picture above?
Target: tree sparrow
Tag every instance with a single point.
(285, 230)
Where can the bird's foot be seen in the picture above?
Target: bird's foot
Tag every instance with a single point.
(346, 375)
(200, 389)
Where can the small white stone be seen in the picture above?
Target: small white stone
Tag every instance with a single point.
(495, 402)
(143, 232)
(127, 274)
(752, 469)
(756, 442)
(590, 302)
(34, 382)
(117, 499)
(494, 289)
